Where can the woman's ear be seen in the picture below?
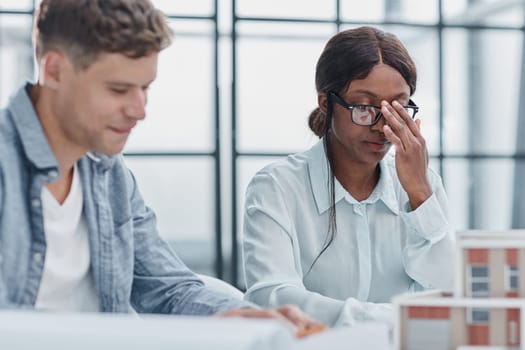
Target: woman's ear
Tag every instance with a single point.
(322, 101)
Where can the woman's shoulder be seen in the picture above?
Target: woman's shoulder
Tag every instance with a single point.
(293, 165)
(290, 167)
(290, 171)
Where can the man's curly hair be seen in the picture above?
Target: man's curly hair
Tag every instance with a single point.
(82, 29)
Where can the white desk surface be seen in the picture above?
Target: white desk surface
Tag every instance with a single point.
(29, 330)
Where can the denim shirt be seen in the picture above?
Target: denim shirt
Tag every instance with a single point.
(130, 263)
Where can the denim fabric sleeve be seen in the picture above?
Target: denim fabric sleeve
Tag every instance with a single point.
(1, 192)
(3, 289)
(4, 299)
(162, 283)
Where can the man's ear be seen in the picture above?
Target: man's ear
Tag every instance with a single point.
(51, 67)
(322, 101)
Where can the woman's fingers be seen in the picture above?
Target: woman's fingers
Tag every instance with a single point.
(299, 322)
(401, 124)
(392, 137)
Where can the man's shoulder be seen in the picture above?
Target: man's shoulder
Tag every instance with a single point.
(8, 137)
(6, 125)
(12, 114)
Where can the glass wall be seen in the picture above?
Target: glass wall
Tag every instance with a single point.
(234, 91)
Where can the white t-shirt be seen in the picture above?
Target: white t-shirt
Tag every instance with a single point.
(67, 282)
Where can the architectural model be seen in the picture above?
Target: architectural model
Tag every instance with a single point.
(486, 308)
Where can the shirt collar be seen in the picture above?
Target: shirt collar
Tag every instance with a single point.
(319, 172)
(28, 125)
(103, 161)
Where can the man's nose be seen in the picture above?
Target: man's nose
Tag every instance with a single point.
(136, 107)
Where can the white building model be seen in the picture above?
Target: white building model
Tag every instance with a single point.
(487, 307)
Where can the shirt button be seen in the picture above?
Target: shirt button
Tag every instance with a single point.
(35, 202)
(52, 174)
(358, 209)
(37, 257)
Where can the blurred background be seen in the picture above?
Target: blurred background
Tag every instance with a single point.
(234, 91)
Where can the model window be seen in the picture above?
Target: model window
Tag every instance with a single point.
(479, 281)
(478, 316)
(512, 278)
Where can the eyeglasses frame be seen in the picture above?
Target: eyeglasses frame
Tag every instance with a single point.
(350, 107)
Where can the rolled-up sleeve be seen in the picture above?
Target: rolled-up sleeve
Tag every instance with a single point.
(429, 253)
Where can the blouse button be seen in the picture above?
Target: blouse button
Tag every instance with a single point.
(37, 257)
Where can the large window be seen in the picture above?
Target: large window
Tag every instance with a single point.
(234, 91)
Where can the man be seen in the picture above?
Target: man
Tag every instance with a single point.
(75, 233)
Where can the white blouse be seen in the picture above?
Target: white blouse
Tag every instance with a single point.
(381, 248)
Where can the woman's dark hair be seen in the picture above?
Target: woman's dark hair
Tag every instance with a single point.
(350, 55)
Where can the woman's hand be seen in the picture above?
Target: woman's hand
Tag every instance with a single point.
(300, 323)
(411, 152)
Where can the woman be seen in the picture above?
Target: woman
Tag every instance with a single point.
(344, 226)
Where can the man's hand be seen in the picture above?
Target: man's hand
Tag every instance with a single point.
(300, 323)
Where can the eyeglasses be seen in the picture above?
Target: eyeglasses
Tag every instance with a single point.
(369, 115)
